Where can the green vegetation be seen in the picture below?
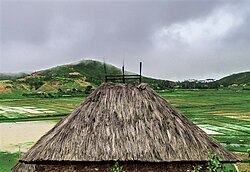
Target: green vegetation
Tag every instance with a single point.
(51, 94)
(248, 151)
(214, 165)
(239, 78)
(29, 109)
(116, 167)
(235, 80)
(225, 112)
(73, 76)
(7, 161)
(15, 94)
(90, 72)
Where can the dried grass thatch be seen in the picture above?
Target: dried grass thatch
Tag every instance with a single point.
(22, 167)
(127, 123)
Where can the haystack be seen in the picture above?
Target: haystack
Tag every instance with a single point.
(127, 123)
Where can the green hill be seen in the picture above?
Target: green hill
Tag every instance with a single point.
(239, 78)
(91, 73)
(72, 76)
(89, 70)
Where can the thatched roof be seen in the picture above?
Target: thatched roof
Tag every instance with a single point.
(127, 123)
(22, 167)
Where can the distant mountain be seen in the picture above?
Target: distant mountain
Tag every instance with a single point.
(89, 70)
(71, 76)
(91, 73)
(239, 78)
(12, 76)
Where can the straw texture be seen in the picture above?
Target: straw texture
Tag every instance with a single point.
(127, 123)
(22, 167)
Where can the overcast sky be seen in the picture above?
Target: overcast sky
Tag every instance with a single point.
(175, 40)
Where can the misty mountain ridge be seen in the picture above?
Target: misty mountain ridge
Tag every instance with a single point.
(91, 73)
(78, 76)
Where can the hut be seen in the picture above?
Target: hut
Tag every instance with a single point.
(125, 123)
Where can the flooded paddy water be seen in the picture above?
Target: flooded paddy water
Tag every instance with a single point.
(20, 136)
(15, 111)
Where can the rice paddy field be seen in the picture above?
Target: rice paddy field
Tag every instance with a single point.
(23, 109)
(224, 114)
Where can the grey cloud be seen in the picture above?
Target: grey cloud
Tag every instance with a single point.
(42, 34)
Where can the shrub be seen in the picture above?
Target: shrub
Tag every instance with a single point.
(214, 164)
(115, 168)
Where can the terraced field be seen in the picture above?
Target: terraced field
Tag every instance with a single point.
(14, 110)
(224, 114)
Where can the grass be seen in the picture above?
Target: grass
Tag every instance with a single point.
(229, 167)
(7, 161)
(11, 95)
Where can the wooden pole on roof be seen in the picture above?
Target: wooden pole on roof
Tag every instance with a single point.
(105, 70)
(123, 77)
(140, 70)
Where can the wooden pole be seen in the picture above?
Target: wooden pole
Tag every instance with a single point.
(123, 77)
(140, 70)
(105, 70)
